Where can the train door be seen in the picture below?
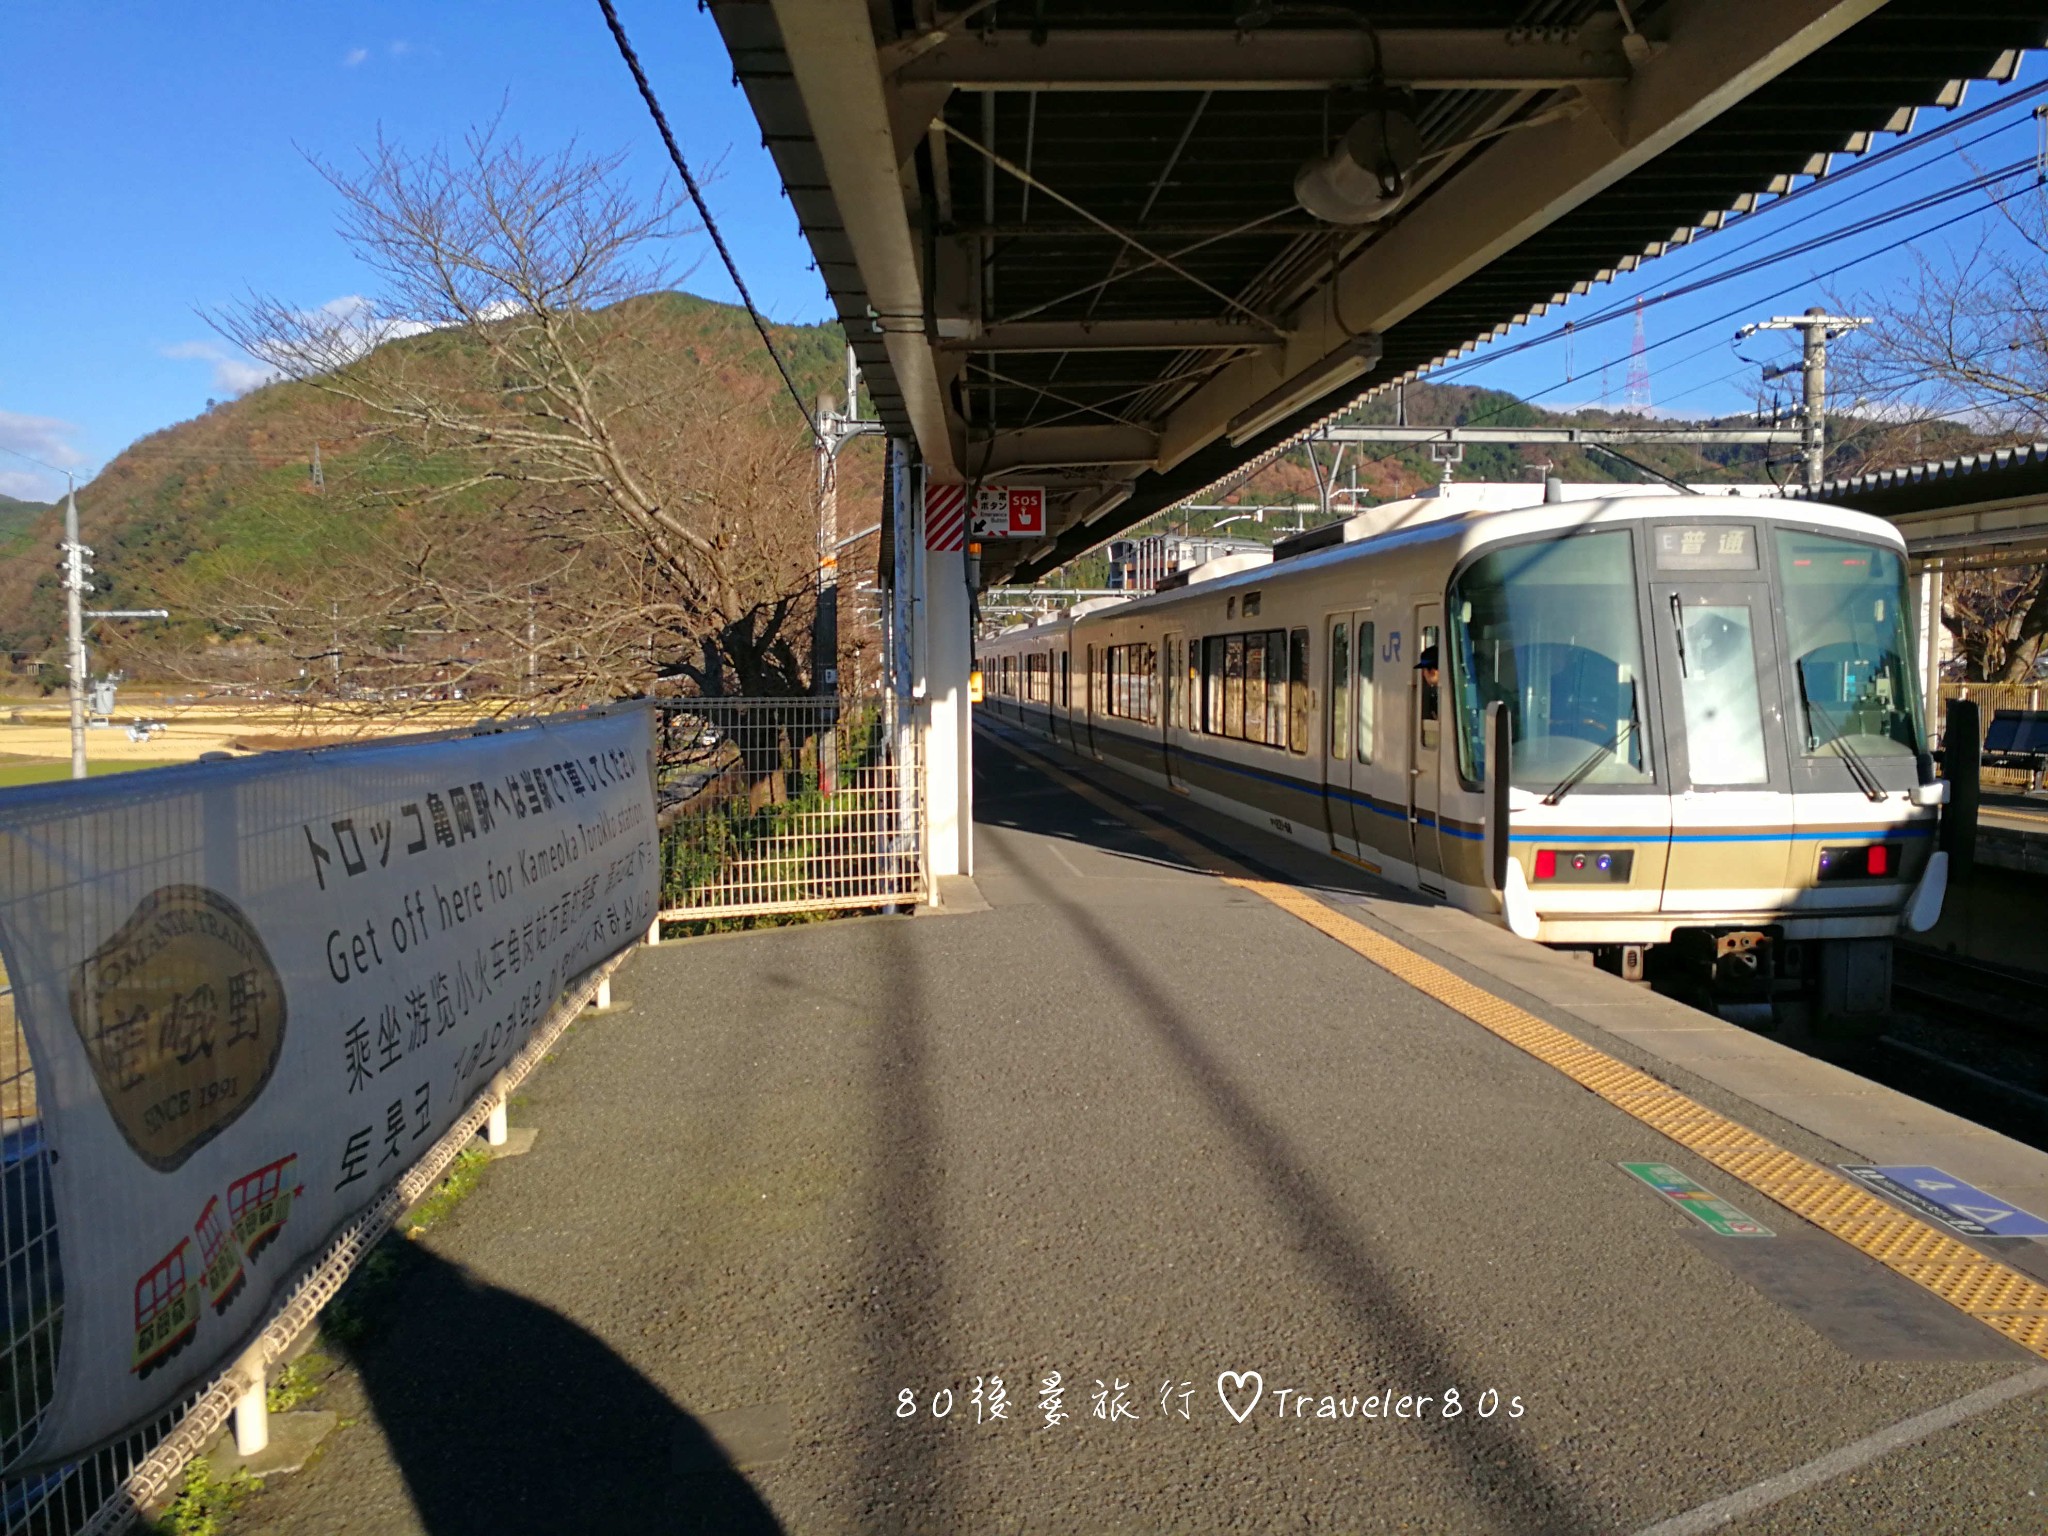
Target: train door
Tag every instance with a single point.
(1173, 697)
(1426, 713)
(1348, 732)
(1730, 781)
(1090, 686)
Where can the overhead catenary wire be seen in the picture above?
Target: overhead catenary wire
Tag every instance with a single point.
(1729, 314)
(1830, 183)
(675, 154)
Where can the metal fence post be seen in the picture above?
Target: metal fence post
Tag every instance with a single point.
(252, 1419)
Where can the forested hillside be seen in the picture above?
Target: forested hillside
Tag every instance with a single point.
(221, 520)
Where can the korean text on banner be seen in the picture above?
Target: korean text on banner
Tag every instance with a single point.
(253, 994)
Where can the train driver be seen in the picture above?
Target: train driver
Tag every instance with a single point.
(1425, 667)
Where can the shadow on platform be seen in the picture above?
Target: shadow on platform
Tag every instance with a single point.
(507, 1419)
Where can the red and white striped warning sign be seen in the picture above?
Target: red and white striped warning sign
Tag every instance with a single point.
(945, 517)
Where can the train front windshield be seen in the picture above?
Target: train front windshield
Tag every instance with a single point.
(1845, 622)
(1551, 630)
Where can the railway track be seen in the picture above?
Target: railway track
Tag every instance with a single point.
(1967, 1037)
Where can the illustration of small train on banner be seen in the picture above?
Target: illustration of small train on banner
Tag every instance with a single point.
(254, 993)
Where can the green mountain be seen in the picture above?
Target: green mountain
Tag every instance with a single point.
(18, 522)
(225, 504)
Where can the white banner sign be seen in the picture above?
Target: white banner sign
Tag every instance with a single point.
(254, 993)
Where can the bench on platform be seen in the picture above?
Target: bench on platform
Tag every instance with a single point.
(2018, 738)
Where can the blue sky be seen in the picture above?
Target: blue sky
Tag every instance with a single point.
(152, 164)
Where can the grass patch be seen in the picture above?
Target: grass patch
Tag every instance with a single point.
(299, 1382)
(204, 1503)
(351, 1319)
(17, 773)
(463, 1176)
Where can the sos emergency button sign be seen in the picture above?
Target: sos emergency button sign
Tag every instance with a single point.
(1009, 512)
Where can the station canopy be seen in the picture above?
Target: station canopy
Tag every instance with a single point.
(1121, 250)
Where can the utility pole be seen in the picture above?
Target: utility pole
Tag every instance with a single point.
(75, 584)
(836, 428)
(1817, 328)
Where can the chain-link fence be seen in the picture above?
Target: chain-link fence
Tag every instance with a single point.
(773, 806)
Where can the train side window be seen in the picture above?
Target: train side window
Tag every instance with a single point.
(1212, 693)
(1065, 677)
(1366, 643)
(1092, 680)
(1233, 686)
(1340, 690)
(1297, 691)
(1194, 720)
(1276, 689)
(1255, 687)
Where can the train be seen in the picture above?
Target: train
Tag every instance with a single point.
(1682, 734)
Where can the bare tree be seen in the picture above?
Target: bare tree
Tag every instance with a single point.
(629, 518)
(1957, 355)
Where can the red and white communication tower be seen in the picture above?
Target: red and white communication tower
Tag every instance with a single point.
(1639, 368)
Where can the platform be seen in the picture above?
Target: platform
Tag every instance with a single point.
(1116, 1116)
(2012, 832)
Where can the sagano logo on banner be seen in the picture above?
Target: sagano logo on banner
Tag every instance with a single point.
(253, 993)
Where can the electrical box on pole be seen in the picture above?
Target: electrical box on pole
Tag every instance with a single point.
(1817, 328)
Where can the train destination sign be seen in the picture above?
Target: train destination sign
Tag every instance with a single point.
(253, 994)
(1706, 547)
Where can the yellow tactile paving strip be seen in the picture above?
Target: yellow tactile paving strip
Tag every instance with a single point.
(1993, 1293)
(2004, 812)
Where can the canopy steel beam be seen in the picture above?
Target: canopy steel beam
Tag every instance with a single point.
(830, 48)
(1113, 336)
(1054, 447)
(1719, 51)
(1428, 58)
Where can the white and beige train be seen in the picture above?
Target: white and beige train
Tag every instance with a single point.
(1716, 757)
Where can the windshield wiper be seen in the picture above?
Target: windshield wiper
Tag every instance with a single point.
(1859, 770)
(1594, 759)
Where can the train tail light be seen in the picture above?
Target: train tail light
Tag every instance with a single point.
(1585, 866)
(1865, 861)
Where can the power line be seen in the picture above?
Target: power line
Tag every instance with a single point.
(1819, 184)
(54, 469)
(1806, 247)
(696, 196)
(1727, 315)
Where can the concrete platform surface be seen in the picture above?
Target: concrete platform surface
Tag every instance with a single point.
(1132, 1203)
